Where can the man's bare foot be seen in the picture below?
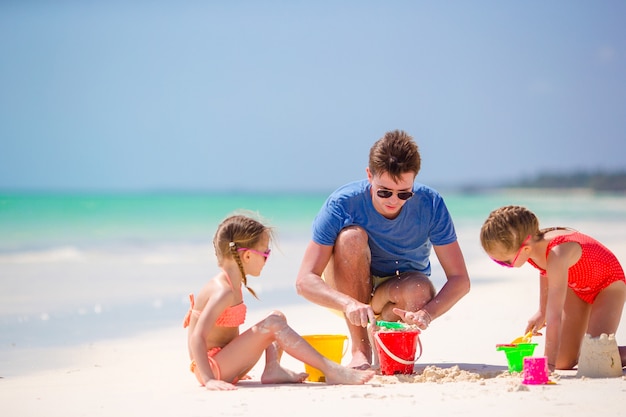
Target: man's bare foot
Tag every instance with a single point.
(338, 374)
(280, 375)
(359, 361)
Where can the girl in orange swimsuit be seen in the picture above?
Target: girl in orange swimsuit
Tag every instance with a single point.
(582, 284)
(220, 355)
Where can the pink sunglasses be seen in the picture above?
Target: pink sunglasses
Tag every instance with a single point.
(265, 254)
(519, 252)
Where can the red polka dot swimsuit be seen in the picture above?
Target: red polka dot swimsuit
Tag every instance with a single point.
(596, 269)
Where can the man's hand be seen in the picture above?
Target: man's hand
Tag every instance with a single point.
(360, 314)
(420, 318)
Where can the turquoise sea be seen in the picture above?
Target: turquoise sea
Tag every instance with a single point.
(35, 222)
(40, 221)
(77, 267)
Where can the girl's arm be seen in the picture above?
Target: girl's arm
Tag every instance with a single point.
(559, 260)
(538, 320)
(543, 298)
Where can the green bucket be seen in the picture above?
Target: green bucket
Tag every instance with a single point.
(515, 354)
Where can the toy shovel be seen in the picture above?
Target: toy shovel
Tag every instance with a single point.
(527, 338)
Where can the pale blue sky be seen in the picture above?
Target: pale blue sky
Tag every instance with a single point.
(265, 95)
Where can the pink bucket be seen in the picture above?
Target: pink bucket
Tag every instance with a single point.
(535, 370)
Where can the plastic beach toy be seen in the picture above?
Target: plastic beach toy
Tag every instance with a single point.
(396, 350)
(536, 371)
(517, 350)
(394, 325)
(515, 354)
(332, 346)
(527, 338)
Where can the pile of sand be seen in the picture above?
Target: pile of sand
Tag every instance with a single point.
(435, 374)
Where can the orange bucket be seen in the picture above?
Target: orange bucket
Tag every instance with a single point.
(396, 350)
(329, 345)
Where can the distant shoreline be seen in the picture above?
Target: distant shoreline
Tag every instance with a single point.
(532, 190)
(598, 181)
(578, 182)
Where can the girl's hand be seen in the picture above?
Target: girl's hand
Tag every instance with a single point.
(420, 318)
(536, 323)
(219, 385)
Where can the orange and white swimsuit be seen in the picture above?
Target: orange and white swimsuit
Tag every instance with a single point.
(233, 316)
(596, 269)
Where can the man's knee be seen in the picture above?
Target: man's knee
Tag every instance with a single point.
(352, 237)
(349, 268)
(422, 287)
(411, 290)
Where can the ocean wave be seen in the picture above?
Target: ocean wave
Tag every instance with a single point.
(151, 253)
(59, 254)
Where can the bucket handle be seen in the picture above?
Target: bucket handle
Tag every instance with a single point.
(394, 357)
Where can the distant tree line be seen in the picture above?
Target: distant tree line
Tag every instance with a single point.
(598, 181)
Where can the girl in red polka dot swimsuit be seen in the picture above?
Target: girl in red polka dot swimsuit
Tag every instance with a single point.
(582, 284)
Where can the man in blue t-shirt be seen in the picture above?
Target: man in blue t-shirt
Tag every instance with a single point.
(369, 254)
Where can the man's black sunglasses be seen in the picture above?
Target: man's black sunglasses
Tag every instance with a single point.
(402, 195)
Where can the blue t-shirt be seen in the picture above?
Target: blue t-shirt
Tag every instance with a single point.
(401, 244)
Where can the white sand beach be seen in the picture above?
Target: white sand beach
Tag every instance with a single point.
(147, 373)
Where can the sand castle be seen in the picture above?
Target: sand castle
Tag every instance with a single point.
(599, 357)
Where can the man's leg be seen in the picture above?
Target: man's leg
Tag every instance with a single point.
(409, 291)
(349, 272)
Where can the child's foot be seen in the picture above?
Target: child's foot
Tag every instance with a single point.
(347, 376)
(280, 375)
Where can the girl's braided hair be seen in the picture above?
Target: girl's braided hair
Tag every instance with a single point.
(508, 227)
(238, 231)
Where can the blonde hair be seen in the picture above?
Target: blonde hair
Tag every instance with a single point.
(507, 228)
(238, 231)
